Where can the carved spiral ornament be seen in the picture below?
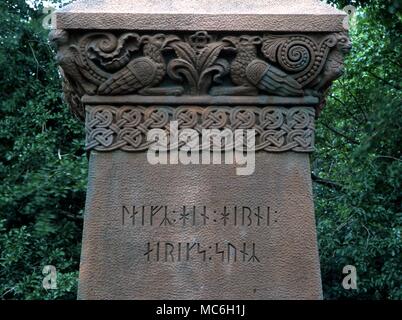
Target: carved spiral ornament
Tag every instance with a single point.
(297, 54)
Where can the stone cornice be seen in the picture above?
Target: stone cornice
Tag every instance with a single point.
(194, 22)
(194, 15)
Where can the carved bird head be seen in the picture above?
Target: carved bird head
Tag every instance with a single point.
(343, 43)
(159, 41)
(58, 37)
(242, 42)
(250, 40)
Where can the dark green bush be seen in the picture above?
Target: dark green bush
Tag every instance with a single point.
(42, 163)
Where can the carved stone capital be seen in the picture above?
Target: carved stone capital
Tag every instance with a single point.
(198, 64)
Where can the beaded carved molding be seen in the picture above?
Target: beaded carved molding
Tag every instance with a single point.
(277, 129)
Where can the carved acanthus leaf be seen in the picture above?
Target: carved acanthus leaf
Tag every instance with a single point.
(199, 67)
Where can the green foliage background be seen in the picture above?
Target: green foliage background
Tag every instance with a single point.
(356, 169)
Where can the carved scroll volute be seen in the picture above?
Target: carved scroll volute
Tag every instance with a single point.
(307, 60)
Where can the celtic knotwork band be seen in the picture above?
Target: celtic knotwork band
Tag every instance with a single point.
(126, 128)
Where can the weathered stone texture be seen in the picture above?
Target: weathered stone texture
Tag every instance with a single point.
(113, 264)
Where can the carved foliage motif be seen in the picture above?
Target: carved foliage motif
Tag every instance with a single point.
(199, 67)
(125, 128)
(104, 63)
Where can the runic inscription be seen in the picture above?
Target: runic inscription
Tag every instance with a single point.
(187, 251)
(232, 216)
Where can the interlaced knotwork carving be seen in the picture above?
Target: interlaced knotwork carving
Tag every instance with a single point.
(125, 128)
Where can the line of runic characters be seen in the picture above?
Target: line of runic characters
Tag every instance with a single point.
(193, 216)
(228, 252)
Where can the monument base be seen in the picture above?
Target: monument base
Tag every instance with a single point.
(199, 231)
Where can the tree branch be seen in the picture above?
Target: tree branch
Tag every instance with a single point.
(395, 86)
(349, 139)
(393, 62)
(327, 183)
(356, 99)
(347, 110)
(389, 157)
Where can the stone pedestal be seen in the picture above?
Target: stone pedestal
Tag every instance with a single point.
(199, 231)
(268, 252)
